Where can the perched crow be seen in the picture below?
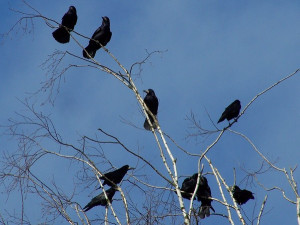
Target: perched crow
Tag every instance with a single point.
(100, 199)
(151, 102)
(115, 176)
(241, 196)
(203, 193)
(188, 186)
(69, 20)
(231, 111)
(101, 35)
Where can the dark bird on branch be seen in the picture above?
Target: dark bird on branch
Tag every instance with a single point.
(188, 186)
(69, 20)
(101, 36)
(151, 102)
(231, 111)
(203, 193)
(100, 199)
(115, 177)
(241, 196)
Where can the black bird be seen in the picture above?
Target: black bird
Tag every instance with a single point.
(101, 35)
(231, 111)
(69, 20)
(241, 196)
(188, 186)
(151, 102)
(100, 199)
(203, 193)
(115, 177)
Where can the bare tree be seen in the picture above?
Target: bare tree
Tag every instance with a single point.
(38, 140)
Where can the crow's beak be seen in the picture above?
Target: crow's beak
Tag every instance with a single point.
(131, 168)
(147, 91)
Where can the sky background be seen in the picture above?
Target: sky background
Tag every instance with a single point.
(214, 52)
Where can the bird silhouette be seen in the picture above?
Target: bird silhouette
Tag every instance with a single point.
(101, 36)
(203, 193)
(100, 199)
(231, 111)
(241, 196)
(151, 102)
(115, 177)
(69, 20)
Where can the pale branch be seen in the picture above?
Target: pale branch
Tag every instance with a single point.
(143, 61)
(125, 204)
(210, 146)
(258, 152)
(216, 174)
(237, 209)
(96, 171)
(280, 189)
(175, 176)
(293, 183)
(57, 199)
(181, 148)
(80, 217)
(106, 216)
(283, 170)
(266, 90)
(222, 203)
(194, 193)
(104, 68)
(261, 209)
(234, 177)
(150, 185)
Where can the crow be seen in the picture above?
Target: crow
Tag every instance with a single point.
(69, 20)
(102, 35)
(151, 102)
(115, 177)
(203, 193)
(231, 111)
(100, 199)
(241, 196)
(188, 187)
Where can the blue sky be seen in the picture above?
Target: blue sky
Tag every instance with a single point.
(216, 52)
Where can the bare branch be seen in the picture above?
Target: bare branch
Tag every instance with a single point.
(262, 209)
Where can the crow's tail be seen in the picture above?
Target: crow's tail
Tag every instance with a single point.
(61, 35)
(91, 51)
(147, 125)
(204, 211)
